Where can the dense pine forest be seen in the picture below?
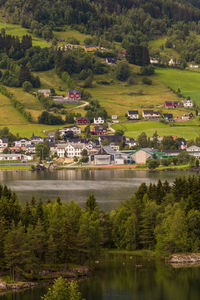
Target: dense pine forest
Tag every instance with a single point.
(160, 217)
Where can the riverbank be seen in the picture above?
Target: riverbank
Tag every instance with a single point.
(45, 277)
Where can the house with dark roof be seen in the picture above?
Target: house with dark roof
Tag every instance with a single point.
(111, 60)
(73, 128)
(99, 130)
(167, 117)
(107, 156)
(99, 120)
(133, 115)
(3, 142)
(114, 141)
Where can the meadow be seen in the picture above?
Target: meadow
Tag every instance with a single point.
(134, 129)
(68, 33)
(187, 81)
(17, 30)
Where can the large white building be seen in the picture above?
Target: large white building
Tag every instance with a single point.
(188, 103)
(98, 120)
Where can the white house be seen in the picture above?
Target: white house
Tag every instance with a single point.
(3, 143)
(172, 62)
(15, 157)
(73, 150)
(193, 66)
(98, 120)
(24, 142)
(36, 140)
(73, 128)
(133, 114)
(187, 103)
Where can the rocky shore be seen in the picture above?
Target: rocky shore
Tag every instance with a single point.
(180, 260)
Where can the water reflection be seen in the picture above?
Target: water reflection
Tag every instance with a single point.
(109, 186)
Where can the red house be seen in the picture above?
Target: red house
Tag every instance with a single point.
(99, 130)
(82, 121)
(171, 104)
(74, 94)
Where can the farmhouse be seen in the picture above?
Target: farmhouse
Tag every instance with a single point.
(82, 121)
(133, 115)
(171, 104)
(46, 93)
(150, 114)
(74, 150)
(187, 103)
(24, 142)
(74, 94)
(99, 130)
(98, 120)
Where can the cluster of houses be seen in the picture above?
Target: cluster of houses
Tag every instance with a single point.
(151, 114)
(72, 96)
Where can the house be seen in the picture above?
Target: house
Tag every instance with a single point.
(74, 150)
(114, 141)
(46, 93)
(15, 157)
(170, 153)
(154, 61)
(187, 103)
(73, 128)
(107, 156)
(24, 142)
(82, 121)
(3, 142)
(133, 115)
(111, 60)
(123, 53)
(167, 117)
(98, 120)
(36, 140)
(99, 130)
(114, 119)
(194, 151)
(141, 156)
(130, 142)
(91, 48)
(74, 94)
(150, 114)
(187, 117)
(171, 104)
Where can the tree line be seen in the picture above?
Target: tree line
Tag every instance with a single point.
(162, 217)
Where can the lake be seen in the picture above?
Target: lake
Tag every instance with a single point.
(125, 277)
(110, 187)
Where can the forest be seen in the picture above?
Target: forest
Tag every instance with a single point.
(162, 217)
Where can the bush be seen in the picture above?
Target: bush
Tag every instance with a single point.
(153, 164)
(146, 80)
(147, 70)
(27, 86)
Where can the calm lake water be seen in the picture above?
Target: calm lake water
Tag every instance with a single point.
(122, 277)
(110, 187)
(117, 277)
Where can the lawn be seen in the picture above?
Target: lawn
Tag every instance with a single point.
(8, 114)
(19, 31)
(187, 81)
(149, 127)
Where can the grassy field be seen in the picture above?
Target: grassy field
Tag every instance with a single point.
(49, 79)
(119, 97)
(20, 168)
(159, 45)
(149, 127)
(17, 30)
(30, 102)
(69, 33)
(8, 114)
(187, 81)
